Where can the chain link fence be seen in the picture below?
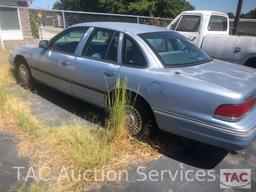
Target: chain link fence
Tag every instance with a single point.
(45, 23)
(29, 25)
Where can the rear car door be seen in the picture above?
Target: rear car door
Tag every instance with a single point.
(54, 67)
(95, 70)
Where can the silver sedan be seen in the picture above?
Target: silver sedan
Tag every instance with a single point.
(181, 88)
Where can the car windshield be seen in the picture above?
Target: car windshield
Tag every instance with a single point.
(173, 49)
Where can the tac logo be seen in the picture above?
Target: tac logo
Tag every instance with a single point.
(235, 178)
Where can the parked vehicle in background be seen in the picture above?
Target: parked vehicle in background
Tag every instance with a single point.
(171, 81)
(209, 30)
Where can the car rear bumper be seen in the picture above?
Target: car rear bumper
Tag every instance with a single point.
(227, 137)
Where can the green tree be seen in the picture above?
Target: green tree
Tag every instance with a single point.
(231, 15)
(114, 6)
(78, 5)
(160, 8)
(251, 14)
(156, 8)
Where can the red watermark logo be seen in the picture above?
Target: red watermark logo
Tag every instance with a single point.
(235, 178)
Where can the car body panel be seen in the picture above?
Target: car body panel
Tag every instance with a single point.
(51, 68)
(183, 99)
(237, 49)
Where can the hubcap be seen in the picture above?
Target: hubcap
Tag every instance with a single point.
(23, 74)
(134, 120)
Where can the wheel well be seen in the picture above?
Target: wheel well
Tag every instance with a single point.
(251, 62)
(138, 97)
(19, 59)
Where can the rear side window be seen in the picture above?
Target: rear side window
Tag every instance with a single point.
(132, 54)
(217, 23)
(68, 42)
(189, 23)
(102, 45)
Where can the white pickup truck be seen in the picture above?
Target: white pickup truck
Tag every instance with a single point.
(209, 30)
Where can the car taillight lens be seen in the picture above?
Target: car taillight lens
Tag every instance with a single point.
(235, 111)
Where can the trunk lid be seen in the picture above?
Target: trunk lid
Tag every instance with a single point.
(228, 76)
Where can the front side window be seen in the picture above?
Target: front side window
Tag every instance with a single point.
(102, 45)
(68, 42)
(132, 54)
(218, 23)
(189, 23)
(174, 50)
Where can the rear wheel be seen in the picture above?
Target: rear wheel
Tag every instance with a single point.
(140, 119)
(24, 75)
(251, 63)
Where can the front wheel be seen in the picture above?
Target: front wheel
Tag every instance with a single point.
(24, 75)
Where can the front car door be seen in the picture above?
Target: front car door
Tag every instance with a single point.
(96, 68)
(54, 65)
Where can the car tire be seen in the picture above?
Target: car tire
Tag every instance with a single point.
(251, 63)
(140, 119)
(23, 75)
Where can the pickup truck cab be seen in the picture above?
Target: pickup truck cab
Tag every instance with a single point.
(209, 30)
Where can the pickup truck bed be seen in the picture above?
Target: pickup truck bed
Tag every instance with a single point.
(235, 49)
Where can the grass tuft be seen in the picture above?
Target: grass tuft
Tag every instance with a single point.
(117, 112)
(83, 147)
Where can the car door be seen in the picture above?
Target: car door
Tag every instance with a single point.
(96, 69)
(133, 65)
(54, 67)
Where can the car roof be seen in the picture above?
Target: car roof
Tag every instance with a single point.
(133, 28)
(204, 12)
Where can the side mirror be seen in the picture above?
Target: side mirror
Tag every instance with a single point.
(45, 44)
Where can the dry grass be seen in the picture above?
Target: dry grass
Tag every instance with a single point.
(35, 187)
(76, 147)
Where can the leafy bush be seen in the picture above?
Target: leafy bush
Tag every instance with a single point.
(34, 25)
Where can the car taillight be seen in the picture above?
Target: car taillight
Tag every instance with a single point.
(235, 111)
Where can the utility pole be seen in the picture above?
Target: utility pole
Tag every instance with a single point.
(238, 13)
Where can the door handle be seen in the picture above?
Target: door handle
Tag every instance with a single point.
(109, 74)
(237, 49)
(64, 63)
(191, 38)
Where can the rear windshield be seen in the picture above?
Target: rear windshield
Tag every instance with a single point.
(173, 49)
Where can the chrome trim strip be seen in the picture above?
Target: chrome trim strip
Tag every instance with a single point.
(204, 124)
